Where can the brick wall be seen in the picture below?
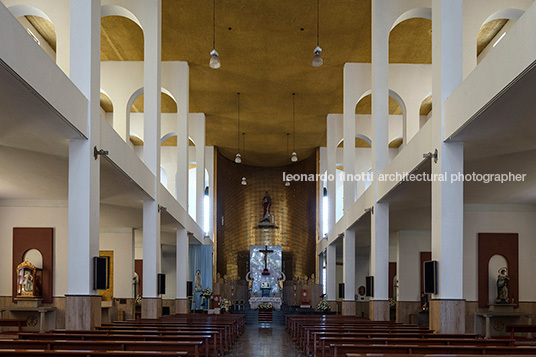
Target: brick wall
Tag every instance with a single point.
(293, 207)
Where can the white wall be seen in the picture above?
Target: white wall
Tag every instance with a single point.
(500, 219)
(55, 217)
(121, 241)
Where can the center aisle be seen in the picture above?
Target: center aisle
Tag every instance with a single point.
(265, 340)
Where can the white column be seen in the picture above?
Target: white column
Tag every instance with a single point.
(348, 306)
(151, 154)
(331, 165)
(379, 253)
(182, 140)
(331, 272)
(84, 170)
(200, 167)
(447, 197)
(181, 301)
(121, 122)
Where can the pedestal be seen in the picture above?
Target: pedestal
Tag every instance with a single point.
(82, 312)
(30, 303)
(447, 316)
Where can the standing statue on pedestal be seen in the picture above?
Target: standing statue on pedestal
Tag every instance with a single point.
(198, 281)
(503, 281)
(266, 204)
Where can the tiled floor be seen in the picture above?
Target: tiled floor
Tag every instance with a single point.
(261, 341)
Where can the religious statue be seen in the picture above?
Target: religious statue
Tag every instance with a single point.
(198, 282)
(281, 280)
(503, 281)
(266, 204)
(28, 280)
(250, 279)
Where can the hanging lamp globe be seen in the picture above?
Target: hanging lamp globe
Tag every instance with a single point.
(317, 58)
(214, 59)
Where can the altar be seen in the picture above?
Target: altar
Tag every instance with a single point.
(254, 302)
(265, 278)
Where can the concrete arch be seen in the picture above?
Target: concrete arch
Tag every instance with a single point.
(28, 10)
(510, 14)
(364, 137)
(172, 134)
(421, 12)
(392, 94)
(115, 10)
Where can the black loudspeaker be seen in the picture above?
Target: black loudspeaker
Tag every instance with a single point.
(100, 273)
(189, 288)
(369, 286)
(341, 291)
(430, 277)
(161, 284)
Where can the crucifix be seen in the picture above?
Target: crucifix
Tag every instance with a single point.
(265, 251)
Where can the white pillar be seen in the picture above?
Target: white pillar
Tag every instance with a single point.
(182, 140)
(447, 197)
(82, 301)
(348, 304)
(151, 153)
(331, 167)
(331, 272)
(121, 123)
(200, 167)
(379, 253)
(181, 300)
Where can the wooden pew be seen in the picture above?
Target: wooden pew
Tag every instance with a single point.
(341, 350)
(33, 352)
(207, 347)
(530, 329)
(215, 343)
(191, 347)
(20, 323)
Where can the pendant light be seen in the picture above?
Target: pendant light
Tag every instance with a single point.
(214, 55)
(317, 58)
(294, 156)
(238, 158)
(244, 182)
(287, 183)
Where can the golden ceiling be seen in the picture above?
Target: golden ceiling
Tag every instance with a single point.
(266, 48)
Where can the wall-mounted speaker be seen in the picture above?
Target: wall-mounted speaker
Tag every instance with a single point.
(161, 284)
(341, 291)
(430, 277)
(369, 286)
(189, 288)
(100, 273)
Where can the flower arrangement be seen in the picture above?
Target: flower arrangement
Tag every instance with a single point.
(206, 293)
(265, 306)
(323, 306)
(224, 304)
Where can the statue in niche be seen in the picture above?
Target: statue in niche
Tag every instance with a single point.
(266, 205)
(198, 281)
(28, 280)
(503, 280)
(250, 279)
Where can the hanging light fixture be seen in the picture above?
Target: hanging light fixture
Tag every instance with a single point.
(244, 182)
(294, 156)
(238, 158)
(214, 55)
(287, 183)
(317, 58)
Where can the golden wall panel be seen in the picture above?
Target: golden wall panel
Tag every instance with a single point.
(239, 210)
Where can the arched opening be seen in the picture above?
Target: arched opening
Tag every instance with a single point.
(397, 114)
(135, 118)
(410, 41)
(121, 35)
(494, 29)
(39, 27)
(425, 110)
(495, 263)
(34, 256)
(107, 107)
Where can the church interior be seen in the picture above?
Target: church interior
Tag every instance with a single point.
(267, 178)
